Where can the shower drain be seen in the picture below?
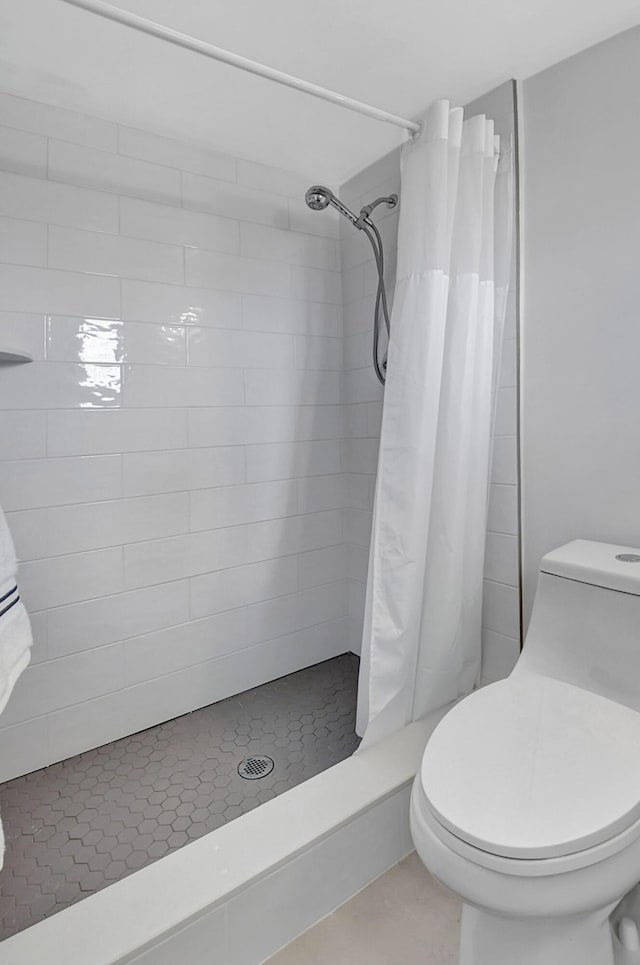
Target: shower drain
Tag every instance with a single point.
(252, 768)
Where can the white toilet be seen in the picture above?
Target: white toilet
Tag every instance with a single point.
(527, 803)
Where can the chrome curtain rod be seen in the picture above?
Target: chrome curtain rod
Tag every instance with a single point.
(128, 19)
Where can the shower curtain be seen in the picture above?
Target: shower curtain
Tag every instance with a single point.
(421, 637)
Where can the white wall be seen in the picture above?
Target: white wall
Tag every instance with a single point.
(363, 397)
(581, 322)
(171, 462)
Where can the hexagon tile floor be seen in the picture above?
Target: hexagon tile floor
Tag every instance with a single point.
(78, 826)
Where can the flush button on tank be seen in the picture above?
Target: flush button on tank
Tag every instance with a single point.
(628, 558)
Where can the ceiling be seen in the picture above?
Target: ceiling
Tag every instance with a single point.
(398, 55)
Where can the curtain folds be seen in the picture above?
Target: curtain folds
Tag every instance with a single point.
(421, 637)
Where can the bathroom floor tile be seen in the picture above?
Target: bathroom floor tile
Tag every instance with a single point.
(77, 826)
(405, 917)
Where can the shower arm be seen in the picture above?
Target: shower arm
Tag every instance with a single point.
(390, 200)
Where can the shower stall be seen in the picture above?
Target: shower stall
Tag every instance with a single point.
(189, 454)
(180, 485)
(173, 478)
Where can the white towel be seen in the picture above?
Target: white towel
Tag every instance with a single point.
(15, 639)
(15, 629)
(8, 563)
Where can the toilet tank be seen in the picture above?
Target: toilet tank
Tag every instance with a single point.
(585, 624)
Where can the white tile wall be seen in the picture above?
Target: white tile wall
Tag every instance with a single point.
(362, 395)
(20, 151)
(174, 154)
(172, 462)
(234, 201)
(61, 204)
(104, 254)
(175, 226)
(24, 331)
(26, 289)
(29, 115)
(149, 302)
(189, 464)
(23, 242)
(112, 172)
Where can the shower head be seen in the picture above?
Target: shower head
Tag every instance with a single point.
(318, 198)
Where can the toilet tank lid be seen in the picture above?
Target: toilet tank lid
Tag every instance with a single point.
(601, 564)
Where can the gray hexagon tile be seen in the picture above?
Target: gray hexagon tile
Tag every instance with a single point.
(78, 826)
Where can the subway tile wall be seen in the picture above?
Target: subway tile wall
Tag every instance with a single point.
(173, 465)
(362, 396)
(188, 465)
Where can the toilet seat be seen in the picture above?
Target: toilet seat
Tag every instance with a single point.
(534, 768)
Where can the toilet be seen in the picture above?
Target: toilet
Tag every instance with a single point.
(527, 801)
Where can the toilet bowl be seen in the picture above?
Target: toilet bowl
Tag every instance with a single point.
(527, 802)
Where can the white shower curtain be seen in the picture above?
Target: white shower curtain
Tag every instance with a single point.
(421, 639)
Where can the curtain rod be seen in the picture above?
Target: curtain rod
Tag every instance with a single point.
(128, 19)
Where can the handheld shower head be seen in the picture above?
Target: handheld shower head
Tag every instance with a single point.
(318, 198)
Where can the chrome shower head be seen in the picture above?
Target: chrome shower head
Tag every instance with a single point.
(318, 197)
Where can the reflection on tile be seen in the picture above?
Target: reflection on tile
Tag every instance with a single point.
(156, 302)
(103, 384)
(41, 385)
(76, 827)
(71, 339)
